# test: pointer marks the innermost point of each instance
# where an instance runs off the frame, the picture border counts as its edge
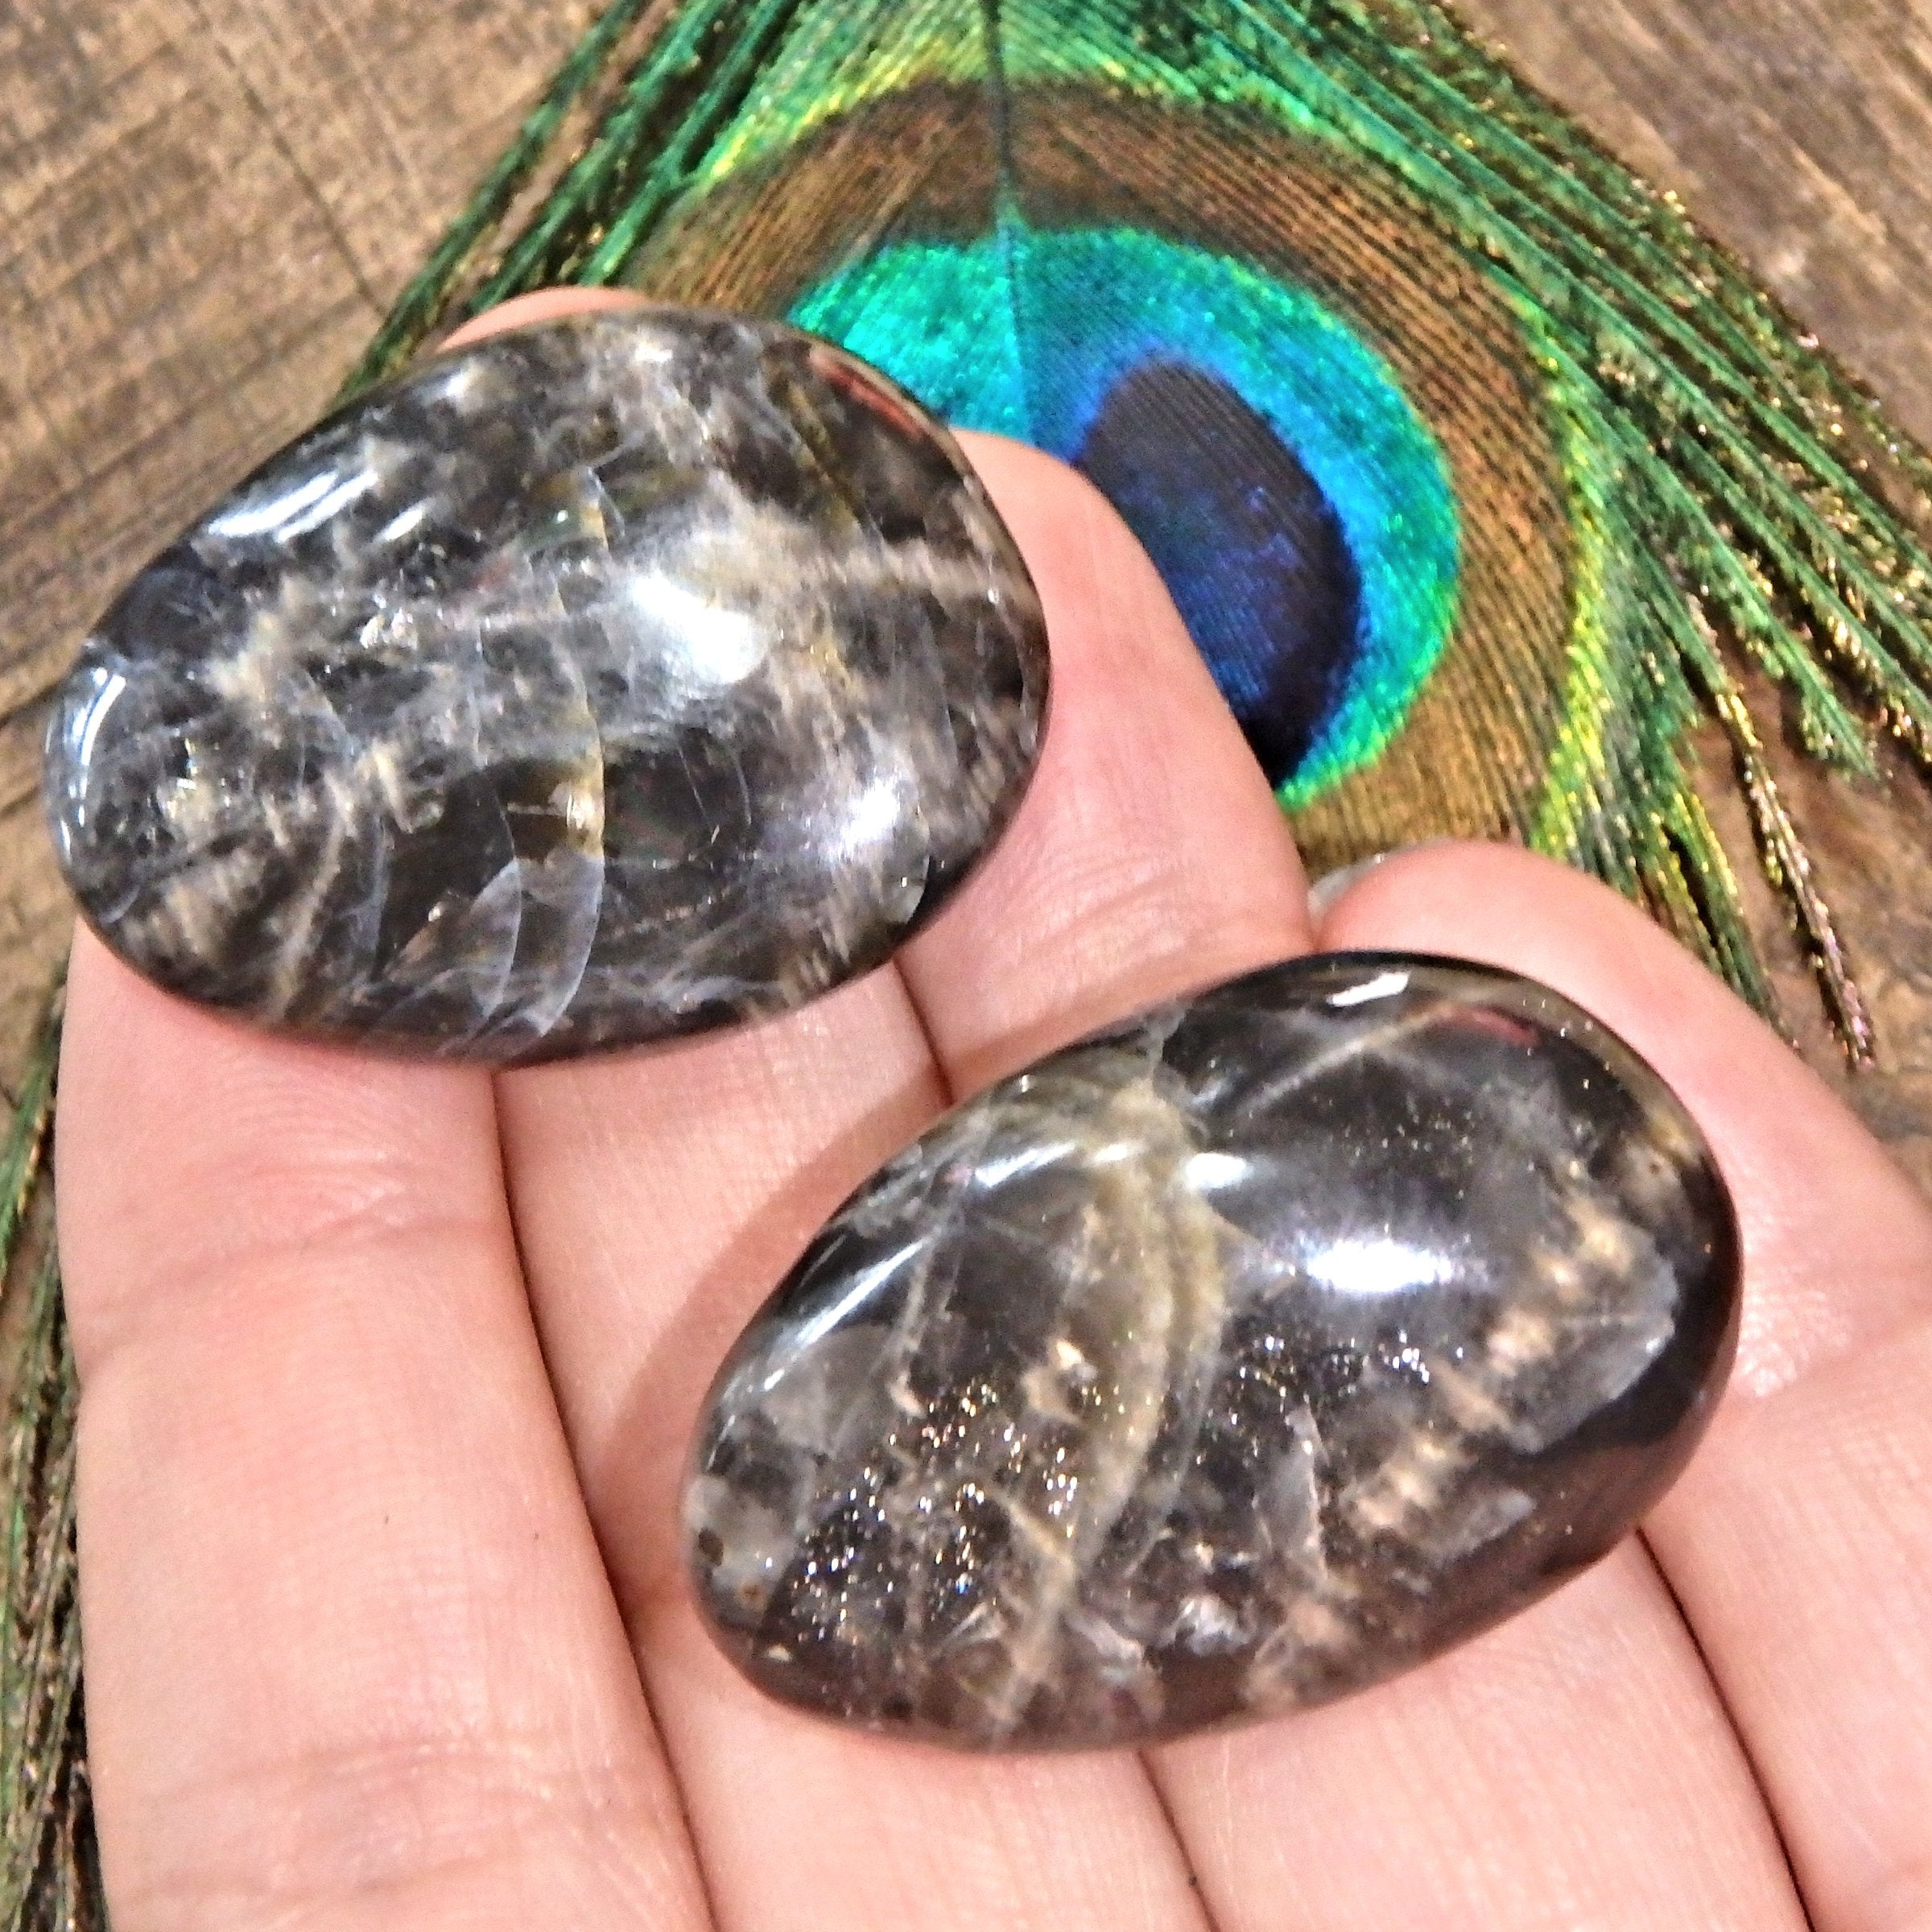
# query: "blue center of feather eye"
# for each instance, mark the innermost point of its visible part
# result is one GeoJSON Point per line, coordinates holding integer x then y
{"type": "Point", "coordinates": [1298, 507]}
{"type": "Point", "coordinates": [1251, 550]}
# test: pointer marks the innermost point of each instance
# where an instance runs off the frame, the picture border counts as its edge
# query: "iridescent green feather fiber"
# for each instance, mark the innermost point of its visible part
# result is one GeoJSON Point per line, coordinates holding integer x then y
{"type": "Point", "coordinates": [1712, 504]}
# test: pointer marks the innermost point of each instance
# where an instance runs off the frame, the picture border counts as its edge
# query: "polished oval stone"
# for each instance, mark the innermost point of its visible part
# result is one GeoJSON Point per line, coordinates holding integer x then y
{"type": "Point", "coordinates": [612, 679]}
{"type": "Point", "coordinates": [1233, 1360]}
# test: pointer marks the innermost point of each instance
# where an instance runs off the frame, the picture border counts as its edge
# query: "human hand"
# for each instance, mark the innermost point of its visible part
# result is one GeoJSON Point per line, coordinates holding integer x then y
{"type": "Point", "coordinates": [388, 1372]}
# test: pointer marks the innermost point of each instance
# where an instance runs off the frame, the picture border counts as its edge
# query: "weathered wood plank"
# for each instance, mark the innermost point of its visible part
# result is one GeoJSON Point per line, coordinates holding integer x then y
{"type": "Point", "coordinates": [1799, 132]}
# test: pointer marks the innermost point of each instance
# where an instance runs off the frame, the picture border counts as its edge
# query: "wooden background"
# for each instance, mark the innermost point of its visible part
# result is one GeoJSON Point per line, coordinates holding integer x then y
{"type": "Point", "coordinates": [205, 206]}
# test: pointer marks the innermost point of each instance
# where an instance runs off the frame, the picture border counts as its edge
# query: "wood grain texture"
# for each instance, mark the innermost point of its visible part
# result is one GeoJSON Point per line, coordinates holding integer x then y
{"type": "Point", "coordinates": [1797, 131]}
{"type": "Point", "coordinates": [205, 205]}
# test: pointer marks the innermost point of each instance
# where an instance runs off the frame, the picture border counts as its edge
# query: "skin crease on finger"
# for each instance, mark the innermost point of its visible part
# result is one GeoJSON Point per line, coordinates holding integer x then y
{"type": "Point", "coordinates": [327, 1685]}
{"type": "Point", "coordinates": [371, 1579]}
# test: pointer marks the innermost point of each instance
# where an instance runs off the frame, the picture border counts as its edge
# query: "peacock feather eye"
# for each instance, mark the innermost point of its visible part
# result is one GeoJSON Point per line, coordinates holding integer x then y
{"type": "Point", "coordinates": [1263, 451]}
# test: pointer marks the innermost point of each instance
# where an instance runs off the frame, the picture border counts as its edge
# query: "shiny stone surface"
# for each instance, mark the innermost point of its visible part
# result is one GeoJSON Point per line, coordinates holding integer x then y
{"type": "Point", "coordinates": [1232, 1361]}
{"type": "Point", "coordinates": [611, 679]}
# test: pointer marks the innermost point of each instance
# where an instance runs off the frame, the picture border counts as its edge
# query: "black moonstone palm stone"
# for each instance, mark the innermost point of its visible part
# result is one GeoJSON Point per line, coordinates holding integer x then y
{"type": "Point", "coordinates": [1233, 1360]}
{"type": "Point", "coordinates": [611, 678]}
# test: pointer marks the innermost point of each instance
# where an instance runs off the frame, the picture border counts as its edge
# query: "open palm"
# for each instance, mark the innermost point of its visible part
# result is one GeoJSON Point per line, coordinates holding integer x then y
{"type": "Point", "coordinates": [389, 1372]}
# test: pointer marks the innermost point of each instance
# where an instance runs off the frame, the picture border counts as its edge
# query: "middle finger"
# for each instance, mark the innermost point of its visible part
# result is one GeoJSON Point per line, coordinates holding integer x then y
{"type": "Point", "coordinates": [657, 1199]}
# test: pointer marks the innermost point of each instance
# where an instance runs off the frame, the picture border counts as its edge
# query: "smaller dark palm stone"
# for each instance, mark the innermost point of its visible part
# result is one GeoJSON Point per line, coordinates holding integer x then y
{"type": "Point", "coordinates": [1233, 1360]}
{"type": "Point", "coordinates": [611, 678]}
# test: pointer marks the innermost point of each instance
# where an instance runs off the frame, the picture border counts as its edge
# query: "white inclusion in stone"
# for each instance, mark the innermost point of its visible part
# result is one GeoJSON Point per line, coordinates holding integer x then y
{"type": "Point", "coordinates": [1206, 1624]}
{"type": "Point", "coordinates": [1384, 986]}
{"type": "Point", "coordinates": [756, 1543]}
{"type": "Point", "coordinates": [1381, 1266]}
{"type": "Point", "coordinates": [1489, 1514]}
{"type": "Point", "coordinates": [406, 524]}
{"type": "Point", "coordinates": [1209, 1171]}
{"type": "Point", "coordinates": [875, 818]}
{"type": "Point", "coordinates": [709, 643]}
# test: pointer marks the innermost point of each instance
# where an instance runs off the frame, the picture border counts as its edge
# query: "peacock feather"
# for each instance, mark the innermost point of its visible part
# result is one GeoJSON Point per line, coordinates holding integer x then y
{"type": "Point", "coordinates": [1484, 479]}
{"type": "Point", "coordinates": [1481, 475]}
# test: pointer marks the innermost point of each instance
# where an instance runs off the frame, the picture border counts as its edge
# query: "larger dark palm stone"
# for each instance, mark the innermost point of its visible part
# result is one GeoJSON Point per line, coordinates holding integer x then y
{"type": "Point", "coordinates": [607, 679]}
{"type": "Point", "coordinates": [1229, 1361]}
